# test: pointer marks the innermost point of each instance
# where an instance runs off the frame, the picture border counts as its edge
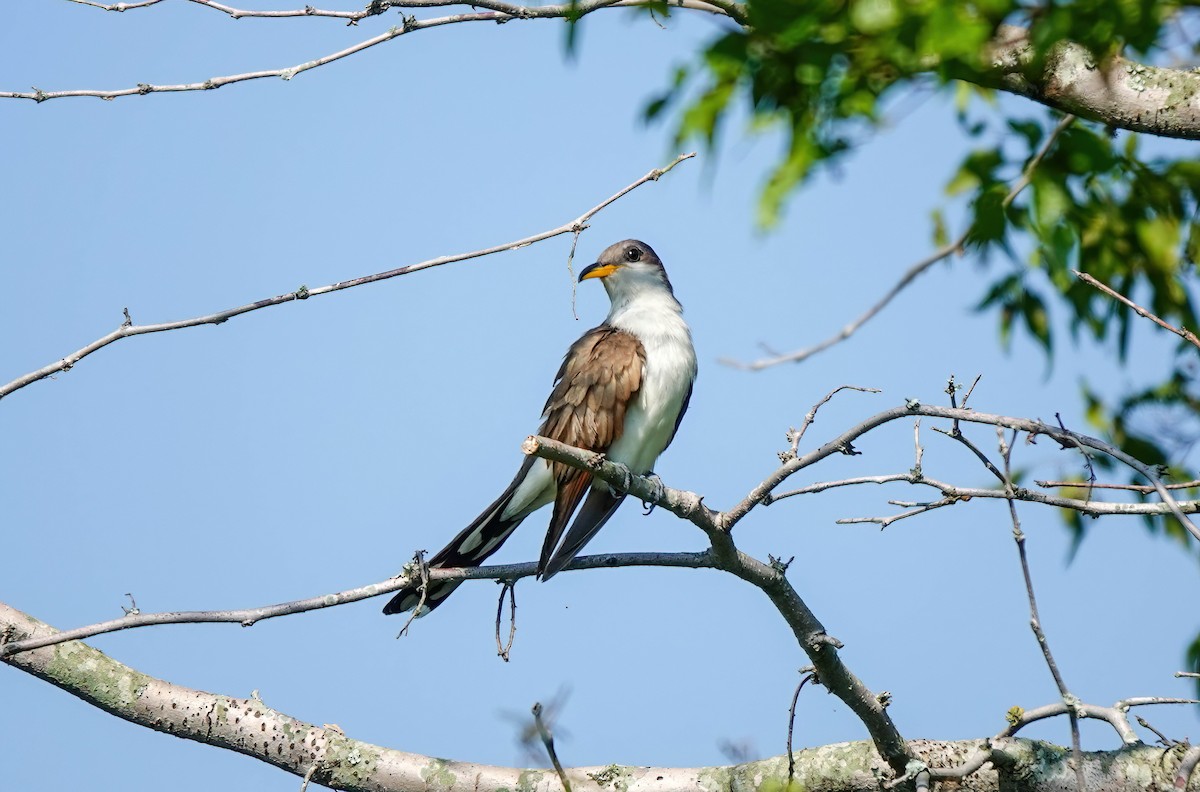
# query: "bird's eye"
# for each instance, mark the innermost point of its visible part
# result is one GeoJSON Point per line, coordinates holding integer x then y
{"type": "Point", "coordinates": [633, 254]}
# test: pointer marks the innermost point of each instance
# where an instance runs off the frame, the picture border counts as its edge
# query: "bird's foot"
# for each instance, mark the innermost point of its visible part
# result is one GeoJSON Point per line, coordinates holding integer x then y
{"type": "Point", "coordinates": [658, 492]}
{"type": "Point", "coordinates": [626, 483]}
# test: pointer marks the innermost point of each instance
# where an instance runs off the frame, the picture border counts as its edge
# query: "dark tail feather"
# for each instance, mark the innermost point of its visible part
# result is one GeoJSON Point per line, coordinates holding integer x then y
{"type": "Point", "coordinates": [473, 545]}
{"type": "Point", "coordinates": [597, 508]}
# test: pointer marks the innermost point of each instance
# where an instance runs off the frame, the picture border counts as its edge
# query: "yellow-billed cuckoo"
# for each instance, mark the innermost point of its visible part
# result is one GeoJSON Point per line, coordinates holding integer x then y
{"type": "Point", "coordinates": [621, 391]}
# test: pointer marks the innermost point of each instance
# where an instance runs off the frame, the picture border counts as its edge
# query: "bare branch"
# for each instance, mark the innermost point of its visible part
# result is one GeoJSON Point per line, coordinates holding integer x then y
{"type": "Point", "coordinates": [1186, 335]}
{"type": "Point", "coordinates": [912, 273]}
{"type": "Point", "coordinates": [1115, 715]}
{"type": "Point", "coordinates": [505, 12]}
{"type": "Point", "coordinates": [1142, 488]}
{"type": "Point", "coordinates": [548, 742]}
{"type": "Point", "coordinates": [1090, 508]}
{"type": "Point", "coordinates": [843, 444]}
{"type": "Point", "coordinates": [810, 634]}
{"type": "Point", "coordinates": [808, 676]}
{"type": "Point", "coordinates": [884, 522]}
{"type": "Point", "coordinates": [128, 329]}
{"type": "Point", "coordinates": [249, 616]}
{"type": "Point", "coordinates": [731, 9]}
{"type": "Point", "coordinates": [337, 761]}
{"type": "Point", "coordinates": [798, 435]}
{"type": "Point", "coordinates": [1035, 621]}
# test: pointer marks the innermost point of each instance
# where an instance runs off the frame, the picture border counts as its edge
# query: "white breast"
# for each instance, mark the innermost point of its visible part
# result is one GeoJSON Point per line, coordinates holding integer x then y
{"type": "Point", "coordinates": [655, 320]}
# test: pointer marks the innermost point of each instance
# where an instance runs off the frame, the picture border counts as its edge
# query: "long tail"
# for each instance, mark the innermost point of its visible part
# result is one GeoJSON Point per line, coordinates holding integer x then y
{"type": "Point", "coordinates": [597, 508]}
{"type": "Point", "coordinates": [473, 545]}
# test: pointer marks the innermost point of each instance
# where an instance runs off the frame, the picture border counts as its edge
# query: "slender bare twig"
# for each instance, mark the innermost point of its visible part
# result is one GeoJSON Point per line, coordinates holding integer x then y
{"type": "Point", "coordinates": [506, 12]}
{"type": "Point", "coordinates": [422, 573]}
{"type": "Point", "coordinates": [1035, 621]}
{"type": "Point", "coordinates": [548, 741]}
{"type": "Point", "coordinates": [1162, 738]}
{"type": "Point", "coordinates": [508, 587]}
{"type": "Point", "coordinates": [1090, 508]}
{"type": "Point", "coordinates": [920, 452]}
{"type": "Point", "coordinates": [250, 616]}
{"type": "Point", "coordinates": [884, 522]}
{"type": "Point", "coordinates": [731, 9]}
{"type": "Point", "coordinates": [913, 272]}
{"type": "Point", "coordinates": [117, 6]}
{"type": "Point", "coordinates": [971, 390]}
{"type": "Point", "coordinates": [809, 676]}
{"type": "Point", "coordinates": [128, 329]}
{"type": "Point", "coordinates": [1184, 333]}
{"type": "Point", "coordinates": [1142, 488]}
{"type": "Point", "coordinates": [797, 435]}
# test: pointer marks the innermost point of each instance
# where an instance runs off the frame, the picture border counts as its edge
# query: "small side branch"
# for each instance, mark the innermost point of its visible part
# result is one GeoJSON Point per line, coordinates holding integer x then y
{"type": "Point", "coordinates": [1035, 621]}
{"type": "Point", "coordinates": [127, 329]}
{"type": "Point", "coordinates": [1184, 333]}
{"type": "Point", "coordinates": [913, 272]}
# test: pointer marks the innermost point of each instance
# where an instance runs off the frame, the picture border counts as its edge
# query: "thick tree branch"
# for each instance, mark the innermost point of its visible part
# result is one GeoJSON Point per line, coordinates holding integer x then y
{"type": "Point", "coordinates": [128, 328]}
{"type": "Point", "coordinates": [1116, 92]}
{"type": "Point", "coordinates": [329, 757]}
{"type": "Point", "coordinates": [817, 644]}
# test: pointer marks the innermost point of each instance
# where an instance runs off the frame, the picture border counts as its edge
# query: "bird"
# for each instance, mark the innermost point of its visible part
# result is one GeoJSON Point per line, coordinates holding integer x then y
{"type": "Point", "coordinates": [621, 391]}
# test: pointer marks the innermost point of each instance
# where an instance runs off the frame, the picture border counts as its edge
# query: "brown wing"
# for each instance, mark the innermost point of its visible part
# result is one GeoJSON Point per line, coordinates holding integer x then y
{"type": "Point", "coordinates": [598, 379]}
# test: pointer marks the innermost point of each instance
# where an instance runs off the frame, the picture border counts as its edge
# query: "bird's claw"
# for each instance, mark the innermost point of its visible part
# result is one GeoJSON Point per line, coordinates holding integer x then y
{"type": "Point", "coordinates": [657, 492]}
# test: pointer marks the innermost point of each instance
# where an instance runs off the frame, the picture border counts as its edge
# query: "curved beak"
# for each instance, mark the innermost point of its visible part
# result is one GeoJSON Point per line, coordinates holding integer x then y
{"type": "Point", "coordinates": [597, 270]}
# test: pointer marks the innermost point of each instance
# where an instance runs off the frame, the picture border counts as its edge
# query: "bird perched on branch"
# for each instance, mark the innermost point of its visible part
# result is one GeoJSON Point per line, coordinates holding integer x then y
{"type": "Point", "coordinates": [621, 391]}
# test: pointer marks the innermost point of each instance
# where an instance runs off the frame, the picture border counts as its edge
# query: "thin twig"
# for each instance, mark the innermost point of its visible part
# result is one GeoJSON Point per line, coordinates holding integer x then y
{"type": "Point", "coordinates": [505, 12]}
{"type": "Point", "coordinates": [509, 587]}
{"type": "Point", "coordinates": [1090, 508]}
{"type": "Point", "coordinates": [1162, 738]}
{"type": "Point", "coordinates": [954, 434]}
{"type": "Point", "coordinates": [304, 293]}
{"type": "Point", "coordinates": [809, 676]}
{"type": "Point", "coordinates": [884, 522]}
{"type": "Point", "coordinates": [1035, 622]}
{"type": "Point", "coordinates": [920, 452]}
{"type": "Point", "coordinates": [1142, 488]}
{"type": "Point", "coordinates": [730, 9]}
{"type": "Point", "coordinates": [548, 741]}
{"type": "Point", "coordinates": [422, 588]}
{"type": "Point", "coordinates": [1185, 334]}
{"type": "Point", "coordinates": [913, 272]}
{"type": "Point", "coordinates": [971, 390]}
{"type": "Point", "coordinates": [811, 416]}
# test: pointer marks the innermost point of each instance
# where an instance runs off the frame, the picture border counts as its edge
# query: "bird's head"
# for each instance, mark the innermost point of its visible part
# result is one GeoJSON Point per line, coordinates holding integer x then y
{"type": "Point", "coordinates": [627, 268]}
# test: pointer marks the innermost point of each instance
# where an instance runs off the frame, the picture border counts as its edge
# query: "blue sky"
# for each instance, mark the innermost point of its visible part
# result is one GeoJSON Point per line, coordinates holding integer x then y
{"type": "Point", "coordinates": [312, 447]}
